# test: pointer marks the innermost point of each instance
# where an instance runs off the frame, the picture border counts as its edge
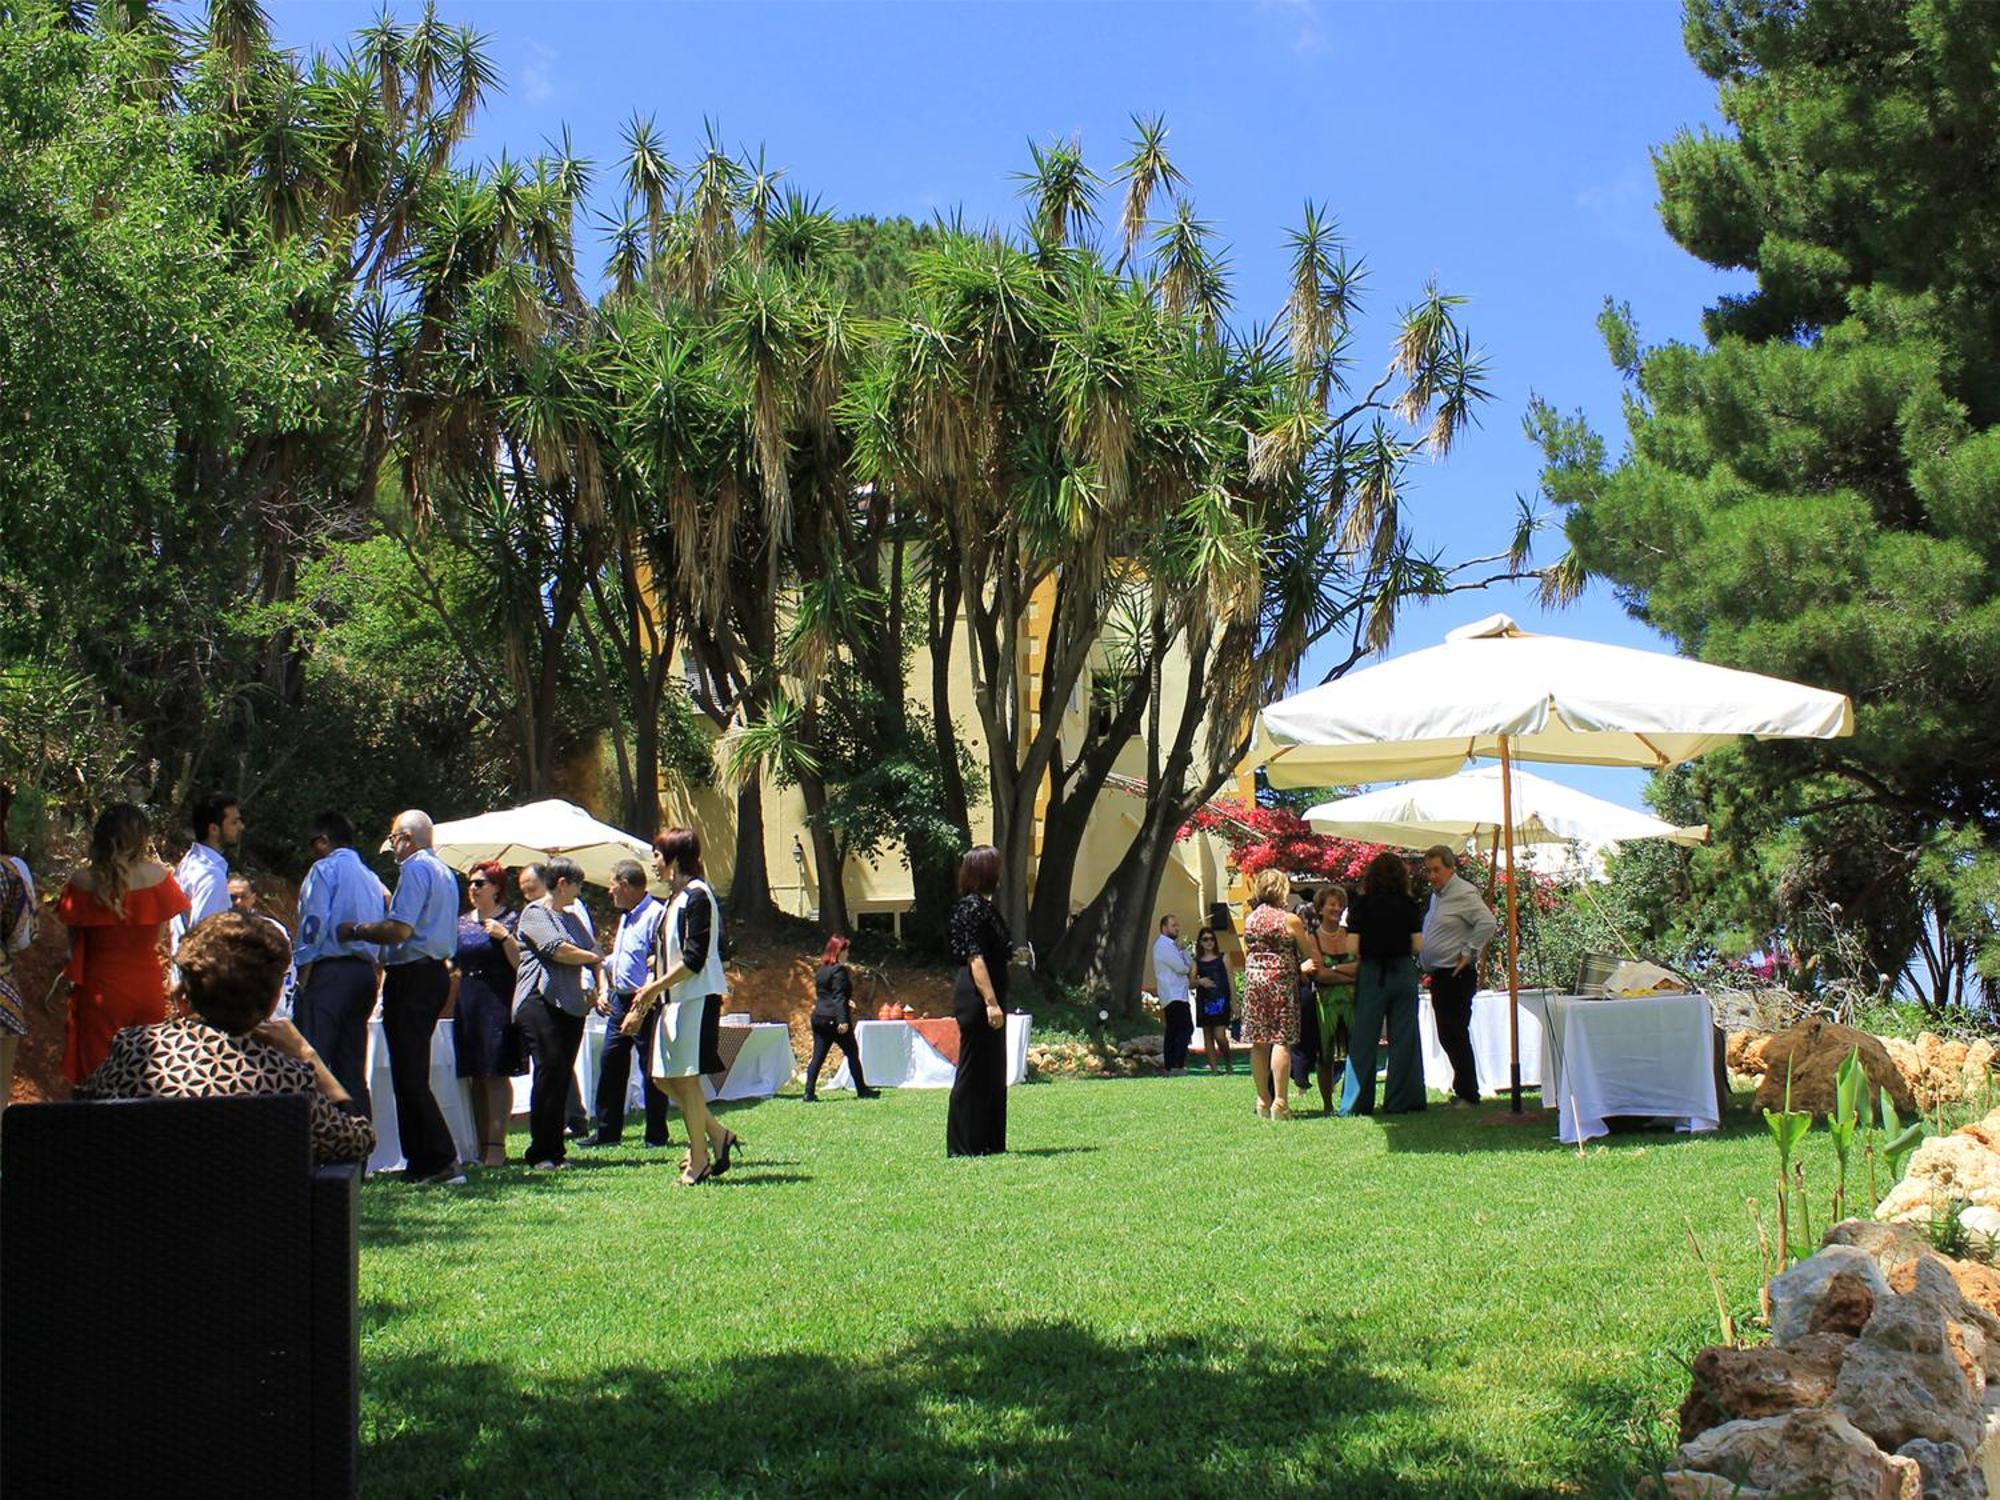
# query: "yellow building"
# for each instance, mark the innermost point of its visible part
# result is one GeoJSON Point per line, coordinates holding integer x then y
{"type": "Point", "coordinates": [1197, 876]}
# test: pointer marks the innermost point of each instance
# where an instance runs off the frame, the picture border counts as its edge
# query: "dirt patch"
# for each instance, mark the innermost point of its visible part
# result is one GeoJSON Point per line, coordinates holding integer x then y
{"type": "Point", "coordinates": [771, 979]}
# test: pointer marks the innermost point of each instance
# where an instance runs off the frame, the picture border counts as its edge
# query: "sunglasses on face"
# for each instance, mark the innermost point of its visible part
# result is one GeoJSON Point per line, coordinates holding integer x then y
{"type": "Point", "coordinates": [478, 881]}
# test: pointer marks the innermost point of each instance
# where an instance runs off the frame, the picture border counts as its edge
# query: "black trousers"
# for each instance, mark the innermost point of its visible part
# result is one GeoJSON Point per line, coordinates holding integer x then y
{"type": "Point", "coordinates": [827, 1035]}
{"type": "Point", "coordinates": [551, 1037]}
{"type": "Point", "coordinates": [615, 1073]}
{"type": "Point", "coordinates": [413, 996]}
{"type": "Point", "coordinates": [1179, 1017]}
{"type": "Point", "coordinates": [1451, 1003]}
{"type": "Point", "coordinates": [331, 1011]}
{"type": "Point", "coordinates": [976, 1124]}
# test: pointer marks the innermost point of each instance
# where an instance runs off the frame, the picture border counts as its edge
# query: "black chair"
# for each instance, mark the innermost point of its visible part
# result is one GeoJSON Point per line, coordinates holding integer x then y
{"type": "Point", "coordinates": [178, 1310]}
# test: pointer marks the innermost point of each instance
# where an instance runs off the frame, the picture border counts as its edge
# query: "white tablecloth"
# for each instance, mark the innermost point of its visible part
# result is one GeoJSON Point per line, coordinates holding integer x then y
{"type": "Point", "coordinates": [763, 1066]}
{"type": "Point", "coordinates": [1652, 1057]}
{"type": "Point", "coordinates": [1489, 1043]}
{"type": "Point", "coordinates": [895, 1056]}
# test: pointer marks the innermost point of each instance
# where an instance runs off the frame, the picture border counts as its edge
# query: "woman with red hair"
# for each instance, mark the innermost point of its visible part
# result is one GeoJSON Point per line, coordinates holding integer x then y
{"type": "Point", "coordinates": [833, 1019]}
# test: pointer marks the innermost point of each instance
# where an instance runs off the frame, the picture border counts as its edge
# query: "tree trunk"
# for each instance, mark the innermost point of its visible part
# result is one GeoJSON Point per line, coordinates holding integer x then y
{"type": "Point", "coordinates": [750, 887]}
{"type": "Point", "coordinates": [827, 860]}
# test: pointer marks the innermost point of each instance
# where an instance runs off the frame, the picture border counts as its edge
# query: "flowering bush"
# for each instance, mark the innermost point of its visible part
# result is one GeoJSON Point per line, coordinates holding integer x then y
{"type": "Point", "coordinates": [1262, 838]}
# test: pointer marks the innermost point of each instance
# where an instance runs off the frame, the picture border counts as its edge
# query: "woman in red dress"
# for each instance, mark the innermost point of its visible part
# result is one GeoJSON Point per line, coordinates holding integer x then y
{"type": "Point", "coordinates": [115, 908]}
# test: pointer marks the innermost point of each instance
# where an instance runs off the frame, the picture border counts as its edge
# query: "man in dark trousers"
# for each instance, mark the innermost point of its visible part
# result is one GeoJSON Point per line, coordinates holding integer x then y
{"type": "Point", "coordinates": [628, 967]}
{"type": "Point", "coordinates": [1457, 928]}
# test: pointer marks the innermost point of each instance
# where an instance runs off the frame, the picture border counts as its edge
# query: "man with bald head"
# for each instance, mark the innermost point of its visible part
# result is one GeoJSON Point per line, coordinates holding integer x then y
{"type": "Point", "coordinates": [418, 936]}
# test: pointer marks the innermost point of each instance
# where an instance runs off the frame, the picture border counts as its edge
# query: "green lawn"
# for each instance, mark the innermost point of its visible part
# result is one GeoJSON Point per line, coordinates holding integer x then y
{"type": "Point", "coordinates": [1156, 1293]}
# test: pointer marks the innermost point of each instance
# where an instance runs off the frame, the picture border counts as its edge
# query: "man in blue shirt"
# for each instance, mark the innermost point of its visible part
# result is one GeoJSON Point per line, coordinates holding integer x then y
{"type": "Point", "coordinates": [337, 978]}
{"type": "Point", "coordinates": [203, 872]}
{"type": "Point", "coordinates": [419, 935]}
{"type": "Point", "coordinates": [628, 967]}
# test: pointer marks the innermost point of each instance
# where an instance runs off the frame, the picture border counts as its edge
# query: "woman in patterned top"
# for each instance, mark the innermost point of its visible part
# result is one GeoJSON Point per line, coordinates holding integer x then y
{"type": "Point", "coordinates": [232, 968]}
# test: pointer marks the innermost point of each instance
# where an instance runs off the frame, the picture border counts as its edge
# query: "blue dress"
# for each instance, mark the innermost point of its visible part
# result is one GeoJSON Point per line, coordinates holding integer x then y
{"type": "Point", "coordinates": [482, 1020]}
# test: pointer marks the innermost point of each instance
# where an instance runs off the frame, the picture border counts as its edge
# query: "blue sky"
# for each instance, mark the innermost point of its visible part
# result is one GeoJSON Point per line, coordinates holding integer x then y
{"type": "Point", "coordinates": [1502, 148]}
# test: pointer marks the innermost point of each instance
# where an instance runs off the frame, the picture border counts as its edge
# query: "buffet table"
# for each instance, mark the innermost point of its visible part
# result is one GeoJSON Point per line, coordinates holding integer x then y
{"type": "Point", "coordinates": [922, 1054]}
{"type": "Point", "coordinates": [757, 1061]}
{"type": "Point", "coordinates": [1649, 1057]}
{"type": "Point", "coordinates": [1489, 1044]}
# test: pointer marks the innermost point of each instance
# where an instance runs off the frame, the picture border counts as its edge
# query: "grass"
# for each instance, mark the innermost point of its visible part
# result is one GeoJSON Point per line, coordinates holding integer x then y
{"type": "Point", "coordinates": [1155, 1293]}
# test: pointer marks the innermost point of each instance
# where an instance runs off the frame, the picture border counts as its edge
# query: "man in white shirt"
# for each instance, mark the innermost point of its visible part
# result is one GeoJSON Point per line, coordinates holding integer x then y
{"type": "Point", "coordinates": [203, 873]}
{"type": "Point", "coordinates": [1171, 967]}
{"type": "Point", "coordinates": [1457, 928]}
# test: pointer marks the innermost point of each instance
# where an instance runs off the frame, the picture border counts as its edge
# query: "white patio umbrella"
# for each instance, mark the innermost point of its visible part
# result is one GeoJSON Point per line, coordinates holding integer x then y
{"type": "Point", "coordinates": [1468, 809]}
{"type": "Point", "coordinates": [1494, 691]}
{"type": "Point", "coordinates": [536, 831]}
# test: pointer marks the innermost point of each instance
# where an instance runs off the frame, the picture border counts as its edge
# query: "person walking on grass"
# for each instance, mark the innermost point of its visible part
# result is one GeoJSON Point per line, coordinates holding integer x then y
{"type": "Point", "coordinates": [1457, 928]}
{"type": "Point", "coordinates": [1171, 969]}
{"type": "Point", "coordinates": [833, 1020]}
{"type": "Point", "coordinates": [1275, 955]}
{"type": "Point", "coordinates": [1385, 928]}
{"type": "Point", "coordinates": [688, 985]}
{"type": "Point", "coordinates": [1213, 999]}
{"type": "Point", "coordinates": [625, 974]}
{"type": "Point", "coordinates": [419, 937]}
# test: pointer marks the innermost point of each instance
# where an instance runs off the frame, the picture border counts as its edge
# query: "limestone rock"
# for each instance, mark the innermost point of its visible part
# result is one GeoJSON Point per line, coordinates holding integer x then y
{"type": "Point", "coordinates": [1943, 1071]}
{"type": "Point", "coordinates": [1982, 1223]}
{"type": "Point", "coordinates": [1763, 1381]}
{"type": "Point", "coordinates": [1686, 1484]}
{"type": "Point", "coordinates": [1811, 1053]}
{"type": "Point", "coordinates": [1803, 1452]}
{"type": "Point", "coordinates": [1798, 1293]}
{"type": "Point", "coordinates": [1906, 1376]}
{"type": "Point", "coordinates": [1895, 1248]}
{"type": "Point", "coordinates": [1948, 1473]}
{"type": "Point", "coordinates": [1947, 1167]}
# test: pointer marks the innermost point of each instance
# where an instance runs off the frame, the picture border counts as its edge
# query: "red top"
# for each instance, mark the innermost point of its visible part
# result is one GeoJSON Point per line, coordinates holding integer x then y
{"type": "Point", "coordinates": [117, 978]}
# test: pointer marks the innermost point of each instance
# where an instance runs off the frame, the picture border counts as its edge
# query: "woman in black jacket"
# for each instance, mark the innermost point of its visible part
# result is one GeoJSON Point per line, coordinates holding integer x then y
{"type": "Point", "coordinates": [833, 1020]}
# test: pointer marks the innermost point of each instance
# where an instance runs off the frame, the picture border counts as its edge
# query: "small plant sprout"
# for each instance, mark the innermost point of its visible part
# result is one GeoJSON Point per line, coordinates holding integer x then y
{"type": "Point", "coordinates": [1850, 1102]}
{"type": "Point", "coordinates": [1901, 1139]}
{"type": "Point", "coordinates": [1788, 1128]}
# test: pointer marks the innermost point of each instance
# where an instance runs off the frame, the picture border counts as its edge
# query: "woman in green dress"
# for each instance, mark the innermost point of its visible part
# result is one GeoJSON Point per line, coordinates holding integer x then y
{"type": "Point", "coordinates": [1333, 990]}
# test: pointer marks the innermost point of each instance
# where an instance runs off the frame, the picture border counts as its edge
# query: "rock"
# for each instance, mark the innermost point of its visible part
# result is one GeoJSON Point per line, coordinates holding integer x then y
{"type": "Point", "coordinates": [1982, 1223]}
{"type": "Point", "coordinates": [1685, 1484]}
{"type": "Point", "coordinates": [1977, 1284]}
{"type": "Point", "coordinates": [1907, 1376]}
{"type": "Point", "coordinates": [1763, 1381]}
{"type": "Point", "coordinates": [1895, 1248]}
{"type": "Point", "coordinates": [1845, 1306]}
{"type": "Point", "coordinates": [1947, 1167]}
{"type": "Point", "coordinates": [1941, 1071]}
{"type": "Point", "coordinates": [1744, 1052]}
{"type": "Point", "coordinates": [1811, 1053]}
{"type": "Point", "coordinates": [1803, 1452]}
{"type": "Point", "coordinates": [1797, 1294]}
{"type": "Point", "coordinates": [1948, 1473]}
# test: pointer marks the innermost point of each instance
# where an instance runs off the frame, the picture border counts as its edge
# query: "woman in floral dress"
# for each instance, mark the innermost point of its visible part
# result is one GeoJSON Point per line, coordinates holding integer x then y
{"type": "Point", "coordinates": [1274, 940]}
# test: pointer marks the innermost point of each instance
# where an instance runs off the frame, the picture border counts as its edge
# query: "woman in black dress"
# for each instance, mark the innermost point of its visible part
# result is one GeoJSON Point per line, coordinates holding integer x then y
{"type": "Point", "coordinates": [977, 1123]}
{"type": "Point", "coordinates": [483, 1034]}
{"type": "Point", "coordinates": [833, 1020]}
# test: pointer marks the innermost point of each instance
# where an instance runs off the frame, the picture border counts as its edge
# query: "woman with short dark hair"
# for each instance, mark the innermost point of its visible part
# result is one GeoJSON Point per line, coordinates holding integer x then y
{"type": "Point", "coordinates": [1385, 931]}
{"type": "Point", "coordinates": [1214, 999]}
{"type": "Point", "coordinates": [232, 970]}
{"type": "Point", "coordinates": [833, 1019]}
{"type": "Point", "coordinates": [691, 984]}
{"type": "Point", "coordinates": [549, 1001]}
{"type": "Point", "coordinates": [976, 1124]}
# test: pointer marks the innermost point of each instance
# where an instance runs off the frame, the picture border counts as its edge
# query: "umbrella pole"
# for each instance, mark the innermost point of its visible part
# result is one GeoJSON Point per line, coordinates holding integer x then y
{"type": "Point", "coordinates": [1513, 923]}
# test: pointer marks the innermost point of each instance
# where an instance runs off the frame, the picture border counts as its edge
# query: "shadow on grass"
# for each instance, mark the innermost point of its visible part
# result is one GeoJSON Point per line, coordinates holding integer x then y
{"type": "Point", "coordinates": [1046, 1408]}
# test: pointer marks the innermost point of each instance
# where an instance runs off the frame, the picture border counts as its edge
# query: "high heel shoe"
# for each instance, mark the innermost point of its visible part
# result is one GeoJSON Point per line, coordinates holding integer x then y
{"type": "Point", "coordinates": [730, 1142]}
{"type": "Point", "coordinates": [684, 1180]}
